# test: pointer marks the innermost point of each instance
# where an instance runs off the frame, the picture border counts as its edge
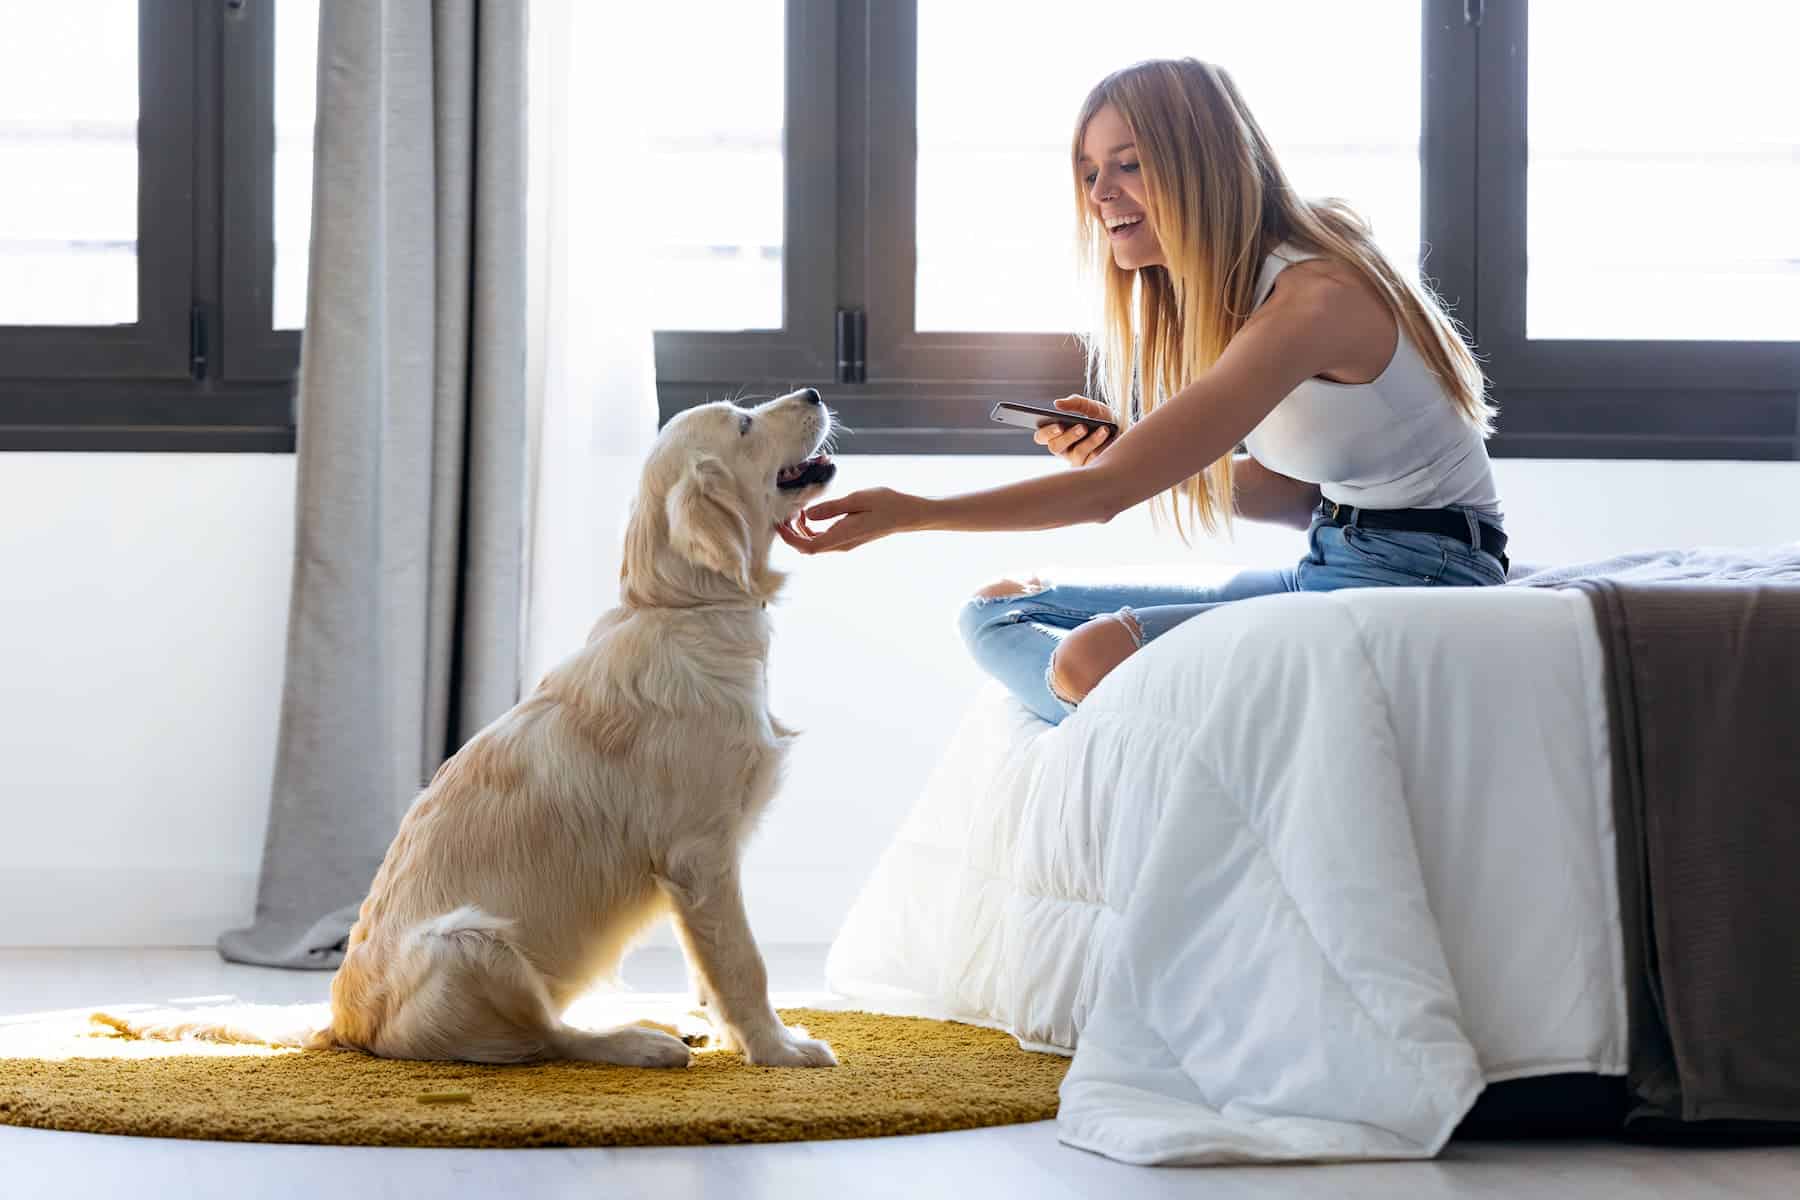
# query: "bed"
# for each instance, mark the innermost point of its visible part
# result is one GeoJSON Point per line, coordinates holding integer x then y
{"type": "Point", "coordinates": [1295, 883]}
{"type": "Point", "coordinates": [1308, 875]}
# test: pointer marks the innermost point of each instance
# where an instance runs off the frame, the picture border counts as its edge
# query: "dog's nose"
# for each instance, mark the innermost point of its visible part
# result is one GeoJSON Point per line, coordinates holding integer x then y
{"type": "Point", "coordinates": [811, 396]}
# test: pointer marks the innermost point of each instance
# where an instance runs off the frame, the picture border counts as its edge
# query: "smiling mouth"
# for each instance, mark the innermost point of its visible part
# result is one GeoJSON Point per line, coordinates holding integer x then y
{"type": "Point", "coordinates": [818, 469]}
{"type": "Point", "coordinates": [1123, 227]}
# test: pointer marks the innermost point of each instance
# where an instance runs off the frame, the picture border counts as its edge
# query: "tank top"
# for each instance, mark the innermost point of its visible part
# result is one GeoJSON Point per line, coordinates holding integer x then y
{"type": "Point", "coordinates": [1398, 441]}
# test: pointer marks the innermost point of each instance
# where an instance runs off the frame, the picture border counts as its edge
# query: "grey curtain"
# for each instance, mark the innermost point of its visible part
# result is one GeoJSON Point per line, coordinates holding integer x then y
{"type": "Point", "coordinates": [403, 633]}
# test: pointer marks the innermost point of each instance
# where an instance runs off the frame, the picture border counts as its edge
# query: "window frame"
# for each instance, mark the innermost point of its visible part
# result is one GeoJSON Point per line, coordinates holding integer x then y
{"type": "Point", "coordinates": [926, 392]}
{"type": "Point", "coordinates": [251, 347]}
{"type": "Point", "coordinates": [696, 366]}
{"type": "Point", "coordinates": [155, 345]}
{"type": "Point", "coordinates": [1600, 398]}
{"type": "Point", "coordinates": [204, 369]}
{"type": "Point", "coordinates": [160, 383]}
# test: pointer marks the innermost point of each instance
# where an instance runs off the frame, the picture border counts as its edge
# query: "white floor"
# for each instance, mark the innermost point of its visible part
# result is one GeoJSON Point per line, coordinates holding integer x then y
{"type": "Point", "coordinates": [1020, 1160]}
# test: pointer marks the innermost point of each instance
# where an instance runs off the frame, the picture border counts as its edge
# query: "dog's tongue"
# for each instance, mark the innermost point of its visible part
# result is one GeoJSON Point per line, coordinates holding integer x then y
{"type": "Point", "coordinates": [818, 469]}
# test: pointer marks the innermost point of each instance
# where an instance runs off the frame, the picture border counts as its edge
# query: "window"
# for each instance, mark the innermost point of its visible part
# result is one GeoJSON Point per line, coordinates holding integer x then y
{"type": "Point", "coordinates": [993, 133]}
{"type": "Point", "coordinates": [135, 267]}
{"type": "Point", "coordinates": [869, 196]}
{"type": "Point", "coordinates": [1625, 253]}
{"type": "Point", "coordinates": [715, 228]}
{"type": "Point", "coordinates": [1637, 237]}
{"type": "Point", "coordinates": [69, 95]}
{"type": "Point", "coordinates": [296, 94]}
{"type": "Point", "coordinates": [1677, 204]}
{"type": "Point", "coordinates": [746, 251]}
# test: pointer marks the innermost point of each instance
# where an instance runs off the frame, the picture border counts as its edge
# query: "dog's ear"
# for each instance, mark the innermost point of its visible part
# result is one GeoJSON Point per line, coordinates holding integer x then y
{"type": "Point", "coordinates": [706, 523]}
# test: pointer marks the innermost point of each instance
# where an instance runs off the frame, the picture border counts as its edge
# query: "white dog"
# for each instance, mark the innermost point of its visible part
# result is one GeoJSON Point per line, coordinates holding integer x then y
{"type": "Point", "coordinates": [622, 788]}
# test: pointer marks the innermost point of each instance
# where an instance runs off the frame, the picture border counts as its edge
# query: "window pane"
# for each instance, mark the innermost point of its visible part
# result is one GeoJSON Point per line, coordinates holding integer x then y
{"type": "Point", "coordinates": [296, 73]}
{"type": "Point", "coordinates": [68, 154]}
{"type": "Point", "coordinates": [714, 227]}
{"type": "Point", "coordinates": [996, 221]}
{"type": "Point", "coordinates": [1664, 191]}
{"type": "Point", "coordinates": [713, 185]}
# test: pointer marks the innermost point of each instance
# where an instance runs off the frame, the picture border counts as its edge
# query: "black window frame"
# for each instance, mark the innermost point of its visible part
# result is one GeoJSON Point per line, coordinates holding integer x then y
{"type": "Point", "coordinates": [200, 370]}
{"type": "Point", "coordinates": [929, 393]}
{"type": "Point", "coordinates": [203, 368]}
{"type": "Point", "coordinates": [251, 349]}
{"type": "Point", "coordinates": [695, 366]}
{"type": "Point", "coordinates": [1600, 398]}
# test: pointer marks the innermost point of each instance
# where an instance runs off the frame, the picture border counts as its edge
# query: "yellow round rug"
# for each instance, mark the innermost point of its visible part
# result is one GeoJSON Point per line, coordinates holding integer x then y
{"type": "Point", "coordinates": [895, 1075]}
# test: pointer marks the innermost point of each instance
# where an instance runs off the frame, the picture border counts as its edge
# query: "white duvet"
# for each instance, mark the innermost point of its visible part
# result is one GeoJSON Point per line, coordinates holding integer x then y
{"type": "Point", "coordinates": [1293, 884]}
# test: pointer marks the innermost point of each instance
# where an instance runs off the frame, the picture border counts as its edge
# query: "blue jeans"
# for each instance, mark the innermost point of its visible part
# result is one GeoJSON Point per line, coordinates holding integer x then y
{"type": "Point", "coordinates": [1013, 637]}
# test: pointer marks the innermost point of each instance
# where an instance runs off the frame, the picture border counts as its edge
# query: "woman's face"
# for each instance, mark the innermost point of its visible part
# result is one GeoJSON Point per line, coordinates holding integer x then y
{"type": "Point", "coordinates": [1115, 190]}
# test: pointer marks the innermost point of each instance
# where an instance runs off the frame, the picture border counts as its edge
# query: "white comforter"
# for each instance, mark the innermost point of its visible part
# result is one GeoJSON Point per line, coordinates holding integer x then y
{"type": "Point", "coordinates": [1294, 883]}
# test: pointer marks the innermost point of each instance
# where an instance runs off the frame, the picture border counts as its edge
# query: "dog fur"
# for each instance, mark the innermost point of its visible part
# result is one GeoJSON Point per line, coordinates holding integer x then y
{"type": "Point", "coordinates": [622, 788]}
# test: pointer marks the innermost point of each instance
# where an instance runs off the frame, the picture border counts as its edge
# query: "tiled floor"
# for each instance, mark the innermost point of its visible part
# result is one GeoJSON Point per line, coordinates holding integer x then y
{"type": "Point", "coordinates": [1021, 1160]}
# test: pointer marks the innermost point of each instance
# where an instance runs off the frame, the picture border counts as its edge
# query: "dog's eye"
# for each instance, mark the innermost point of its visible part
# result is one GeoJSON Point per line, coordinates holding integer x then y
{"type": "Point", "coordinates": [743, 426]}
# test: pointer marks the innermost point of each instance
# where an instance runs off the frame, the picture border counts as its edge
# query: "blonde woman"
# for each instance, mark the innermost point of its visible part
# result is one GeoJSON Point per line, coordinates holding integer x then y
{"type": "Point", "coordinates": [1235, 312]}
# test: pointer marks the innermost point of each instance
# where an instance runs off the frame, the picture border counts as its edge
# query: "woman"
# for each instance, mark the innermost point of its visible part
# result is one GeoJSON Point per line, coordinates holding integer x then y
{"type": "Point", "coordinates": [1235, 312]}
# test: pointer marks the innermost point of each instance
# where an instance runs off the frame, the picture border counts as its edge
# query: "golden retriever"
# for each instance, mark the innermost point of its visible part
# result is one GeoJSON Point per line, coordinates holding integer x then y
{"type": "Point", "coordinates": [623, 787]}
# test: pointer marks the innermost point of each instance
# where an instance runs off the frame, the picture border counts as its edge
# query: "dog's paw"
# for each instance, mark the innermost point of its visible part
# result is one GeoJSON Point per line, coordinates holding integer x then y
{"type": "Point", "coordinates": [793, 1049]}
{"type": "Point", "coordinates": [636, 1046]}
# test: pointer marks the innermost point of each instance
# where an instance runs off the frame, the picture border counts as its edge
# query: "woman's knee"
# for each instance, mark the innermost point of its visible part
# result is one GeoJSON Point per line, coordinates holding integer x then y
{"type": "Point", "coordinates": [988, 604]}
{"type": "Point", "coordinates": [1090, 653]}
{"type": "Point", "coordinates": [1009, 589]}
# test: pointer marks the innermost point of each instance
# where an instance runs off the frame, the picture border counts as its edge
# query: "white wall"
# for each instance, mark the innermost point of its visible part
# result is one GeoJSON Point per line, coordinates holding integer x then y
{"type": "Point", "coordinates": [143, 611]}
{"type": "Point", "coordinates": [143, 608]}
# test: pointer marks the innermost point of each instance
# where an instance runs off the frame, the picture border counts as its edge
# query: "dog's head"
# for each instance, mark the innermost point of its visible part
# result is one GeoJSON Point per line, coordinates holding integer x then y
{"type": "Point", "coordinates": [717, 482]}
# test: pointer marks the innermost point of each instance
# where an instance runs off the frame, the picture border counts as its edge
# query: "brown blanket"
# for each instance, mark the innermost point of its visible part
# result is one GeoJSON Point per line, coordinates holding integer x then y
{"type": "Point", "coordinates": [1703, 690]}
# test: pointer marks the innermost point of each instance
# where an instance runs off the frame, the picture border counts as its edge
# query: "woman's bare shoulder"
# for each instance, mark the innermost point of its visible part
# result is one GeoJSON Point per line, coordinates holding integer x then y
{"type": "Point", "coordinates": [1334, 298]}
{"type": "Point", "coordinates": [1328, 280]}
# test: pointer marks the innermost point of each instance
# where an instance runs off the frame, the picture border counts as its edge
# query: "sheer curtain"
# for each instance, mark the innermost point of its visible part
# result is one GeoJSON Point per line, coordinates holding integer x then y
{"type": "Point", "coordinates": [590, 360]}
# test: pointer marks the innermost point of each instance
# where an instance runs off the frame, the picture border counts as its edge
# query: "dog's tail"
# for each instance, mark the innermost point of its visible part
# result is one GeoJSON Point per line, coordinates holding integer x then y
{"type": "Point", "coordinates": [300, 1026]}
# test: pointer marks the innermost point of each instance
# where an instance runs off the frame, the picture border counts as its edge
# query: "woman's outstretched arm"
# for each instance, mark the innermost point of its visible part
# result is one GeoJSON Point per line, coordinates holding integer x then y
{"type": "Point", "coordinates": [1300, 332]}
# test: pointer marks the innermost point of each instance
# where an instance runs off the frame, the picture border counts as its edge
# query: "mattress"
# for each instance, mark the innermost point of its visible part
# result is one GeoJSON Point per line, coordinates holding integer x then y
{"type": "Point", "coordinates": [1295, 883]}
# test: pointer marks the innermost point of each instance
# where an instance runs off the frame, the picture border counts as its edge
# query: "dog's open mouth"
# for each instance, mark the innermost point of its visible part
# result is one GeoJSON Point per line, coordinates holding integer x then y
{"type": "Point", "coordinates": [816, 470]}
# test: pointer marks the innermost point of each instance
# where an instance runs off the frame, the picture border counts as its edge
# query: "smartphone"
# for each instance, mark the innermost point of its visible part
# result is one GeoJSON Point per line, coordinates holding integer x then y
{"type": "Point", "coordinates": [1032, 416]}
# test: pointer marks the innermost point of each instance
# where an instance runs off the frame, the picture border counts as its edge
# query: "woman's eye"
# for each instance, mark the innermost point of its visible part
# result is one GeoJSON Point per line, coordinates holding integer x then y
{"type": "Point", "coordinates": [1089, 178]}
{"type": "Point", "coordinates": [1128, 168]}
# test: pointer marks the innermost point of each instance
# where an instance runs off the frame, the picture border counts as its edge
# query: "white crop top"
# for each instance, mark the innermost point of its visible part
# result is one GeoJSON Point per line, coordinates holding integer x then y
{"type": "Point", "coordinates": [1398, 441]}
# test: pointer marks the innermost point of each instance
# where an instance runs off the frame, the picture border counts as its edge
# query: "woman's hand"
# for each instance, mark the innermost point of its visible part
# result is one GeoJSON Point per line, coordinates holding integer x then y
{"type": "Point", "coordinates": [1075, 444]}
{"type": "Point", "coordinates": [866, 515]}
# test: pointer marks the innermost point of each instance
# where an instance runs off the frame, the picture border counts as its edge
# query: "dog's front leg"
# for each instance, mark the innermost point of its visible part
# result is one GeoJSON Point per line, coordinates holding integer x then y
{"type": "Point", "coordinates": [709, 916]}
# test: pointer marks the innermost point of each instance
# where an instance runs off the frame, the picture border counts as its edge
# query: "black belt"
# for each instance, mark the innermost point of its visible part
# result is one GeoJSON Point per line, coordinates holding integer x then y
{"type": "Point", "coordinates": [1445, 522]}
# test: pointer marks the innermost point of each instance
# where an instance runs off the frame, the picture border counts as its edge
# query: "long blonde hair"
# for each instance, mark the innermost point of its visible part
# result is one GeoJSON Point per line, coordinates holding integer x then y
{"type": "Point", "coordinates": [1219, 203]}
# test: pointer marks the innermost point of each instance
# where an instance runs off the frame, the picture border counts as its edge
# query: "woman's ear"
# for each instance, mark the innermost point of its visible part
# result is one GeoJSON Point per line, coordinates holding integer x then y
{"type": "Point", "coordinates": [707, 525]}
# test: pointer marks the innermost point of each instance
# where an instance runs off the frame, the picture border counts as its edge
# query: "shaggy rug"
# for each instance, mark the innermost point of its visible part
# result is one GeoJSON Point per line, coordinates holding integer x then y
{"type": "Point", "coordinates": [896, 1075]}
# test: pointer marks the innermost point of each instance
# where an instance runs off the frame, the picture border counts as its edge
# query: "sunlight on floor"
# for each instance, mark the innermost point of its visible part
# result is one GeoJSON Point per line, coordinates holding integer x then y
{"type": "Point", "coordinates": [54, 1035]}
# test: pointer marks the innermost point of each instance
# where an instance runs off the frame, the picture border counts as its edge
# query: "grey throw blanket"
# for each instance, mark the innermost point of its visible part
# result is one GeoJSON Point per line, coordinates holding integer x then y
{"type": "Point", "coordinates": [1703, 691]}
{"type": "Point", "coordinates": [1771, 564]}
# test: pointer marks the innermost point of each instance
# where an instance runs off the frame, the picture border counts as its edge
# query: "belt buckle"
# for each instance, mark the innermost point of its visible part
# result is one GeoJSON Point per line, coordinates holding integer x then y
{"type": "Point", "coordinates": [1335, 508]}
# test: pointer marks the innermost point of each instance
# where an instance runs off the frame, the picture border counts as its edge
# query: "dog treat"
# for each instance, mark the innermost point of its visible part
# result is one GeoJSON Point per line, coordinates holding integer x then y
{"type": "Point", "coordinates": [445, 1097]}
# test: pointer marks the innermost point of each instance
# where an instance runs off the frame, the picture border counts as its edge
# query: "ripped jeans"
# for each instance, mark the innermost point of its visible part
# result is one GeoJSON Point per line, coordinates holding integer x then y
{"type": "Point", "coordinates": [1015, 637]}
